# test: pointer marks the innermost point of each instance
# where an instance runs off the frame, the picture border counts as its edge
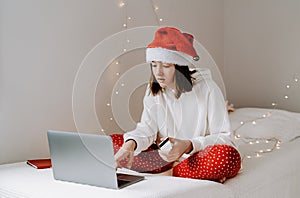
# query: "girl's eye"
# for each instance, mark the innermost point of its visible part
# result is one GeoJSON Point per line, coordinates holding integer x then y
{"type": "Point", "coordinates": [166, 66]}
{"type": "Point", "coordinates": [153, 65]}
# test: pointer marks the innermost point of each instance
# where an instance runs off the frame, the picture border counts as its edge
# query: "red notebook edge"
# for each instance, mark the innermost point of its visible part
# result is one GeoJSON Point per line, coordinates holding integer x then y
{"type": "Point", "coordinates": [40, 163]}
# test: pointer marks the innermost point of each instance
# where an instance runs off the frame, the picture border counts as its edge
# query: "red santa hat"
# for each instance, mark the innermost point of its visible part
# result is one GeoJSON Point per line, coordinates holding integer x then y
{"type": "Point", "coordinates": [171, 46]}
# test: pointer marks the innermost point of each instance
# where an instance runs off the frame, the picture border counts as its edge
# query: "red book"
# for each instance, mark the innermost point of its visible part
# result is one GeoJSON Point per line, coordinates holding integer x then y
{"type": "Point", "coordinates": [40, 163]}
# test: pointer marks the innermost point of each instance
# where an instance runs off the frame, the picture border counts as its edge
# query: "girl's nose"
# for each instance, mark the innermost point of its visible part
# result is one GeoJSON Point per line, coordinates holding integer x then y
{"type": "Point", "coordinates": [159, 70]}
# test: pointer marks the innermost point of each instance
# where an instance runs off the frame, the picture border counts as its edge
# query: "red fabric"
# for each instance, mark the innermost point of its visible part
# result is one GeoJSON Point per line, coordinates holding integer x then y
{"type": "Point", "coordinates": [172, 39]}
{"type": "Point", "coordinates": [147, 161]}
{"type": "Point", "coordinates": [213, 163]}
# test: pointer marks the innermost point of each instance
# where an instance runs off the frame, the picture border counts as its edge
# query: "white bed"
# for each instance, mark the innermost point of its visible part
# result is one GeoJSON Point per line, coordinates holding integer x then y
{"type": "Point", "coordinates": [272, 174]}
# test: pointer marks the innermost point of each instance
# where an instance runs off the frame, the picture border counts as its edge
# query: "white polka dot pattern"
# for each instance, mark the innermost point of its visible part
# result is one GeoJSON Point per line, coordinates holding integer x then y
{"type": "Point", "coordinates": [147, 161]}
{"type": "Point", "coordinates": [213, 163]}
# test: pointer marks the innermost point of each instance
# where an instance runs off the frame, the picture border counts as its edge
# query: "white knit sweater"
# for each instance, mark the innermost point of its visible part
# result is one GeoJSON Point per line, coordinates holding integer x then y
{"type": "Point", "coordinates": [199, 115]}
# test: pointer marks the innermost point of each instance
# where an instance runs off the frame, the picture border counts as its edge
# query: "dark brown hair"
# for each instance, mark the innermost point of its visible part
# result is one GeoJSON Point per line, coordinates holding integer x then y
{"type": "Point", "coordinates": [183, 81]}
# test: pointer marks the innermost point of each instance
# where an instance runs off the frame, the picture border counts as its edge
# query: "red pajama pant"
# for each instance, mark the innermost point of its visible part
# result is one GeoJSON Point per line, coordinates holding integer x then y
{"type": "Point", "coordinates": [213, 163]}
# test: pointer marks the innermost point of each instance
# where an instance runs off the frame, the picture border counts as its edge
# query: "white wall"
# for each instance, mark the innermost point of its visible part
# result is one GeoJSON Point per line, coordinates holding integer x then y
{"type": "Point", "coordinates": [261, 52]}
{"type": "Point", "coordinates": [42, 44]}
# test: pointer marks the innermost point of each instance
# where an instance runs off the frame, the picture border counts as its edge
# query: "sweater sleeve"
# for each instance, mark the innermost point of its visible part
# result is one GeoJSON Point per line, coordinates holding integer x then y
{"type": "Point", "coordinates": [218, 129]}
{"type": "Point", "coordinates": [146, 130]}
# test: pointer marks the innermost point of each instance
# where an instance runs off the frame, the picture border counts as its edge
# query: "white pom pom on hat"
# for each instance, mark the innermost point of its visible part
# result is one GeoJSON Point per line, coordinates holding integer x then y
{"type": "Point", "coordinates": [171, 46]}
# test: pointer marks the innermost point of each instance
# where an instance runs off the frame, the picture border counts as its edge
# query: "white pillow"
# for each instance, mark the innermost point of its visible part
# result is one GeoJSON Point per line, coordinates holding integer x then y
{"type": "Point", "coordinates": [268, 123]}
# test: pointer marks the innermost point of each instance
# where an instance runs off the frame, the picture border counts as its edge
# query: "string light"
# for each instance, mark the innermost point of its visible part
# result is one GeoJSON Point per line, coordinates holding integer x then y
{"type": "Point", "coordinates": [273, 142]}
{"type": "Point", "coordinates": [258, 155]}
{"type": "Point", "coordinates": [260, 152]}
{"type": "Point", "coordinates": [237, 136]}
{"type": "Point", "coordinates": [122, 4]}
{"type": "Point", "coordinates": [155, 11]}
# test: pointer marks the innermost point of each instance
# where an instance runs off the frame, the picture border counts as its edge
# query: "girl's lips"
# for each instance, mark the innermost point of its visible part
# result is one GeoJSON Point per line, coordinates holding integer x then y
{"type": "Point", "coordinates": [160, 79]}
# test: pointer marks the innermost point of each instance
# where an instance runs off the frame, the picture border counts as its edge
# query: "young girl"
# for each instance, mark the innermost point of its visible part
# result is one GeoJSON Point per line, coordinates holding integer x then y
{"type": "Point", "coordinates": [187, 107]}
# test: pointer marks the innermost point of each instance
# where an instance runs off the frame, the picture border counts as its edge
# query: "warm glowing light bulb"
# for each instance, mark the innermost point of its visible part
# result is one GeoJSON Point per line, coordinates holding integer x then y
{"type": "Point", "coordinates": [254, 122]}
{"type": "Point", "coordinates": [117, 73]}
{"type": "Point", "coordinates": [258, 155]}
{"type": "Point", "coordinates": [288, 86]}
{"type": "Point", "coordinates": [107, 104]}
{"type": "Point", "coordinates": [122, 84]}
{"type": "Point", "coordinates": [248, 156]}
{"type": "Point", "coordinates": [124, 25]}
{"type": "Point", "coordinates": [117, 63]}
{"type": "Point", "coordinates": [111, 119]}
{"type": "Point", "coordinates": [129, 18]}
{"type": "Point", "coordinates": [121, 4]}
{"type": "Point", "coordinates": [117, 92]}
{"type": "Point", "coordinates": [296, 79]}
{"type": "Point", "coordinates": [160, 19]}
{"type": "Point", "coordinates": [242, 122]}
{"type": "Point", "coordinates": [156, 8]}
{"type": "Point", "coordinates": [286, 97]}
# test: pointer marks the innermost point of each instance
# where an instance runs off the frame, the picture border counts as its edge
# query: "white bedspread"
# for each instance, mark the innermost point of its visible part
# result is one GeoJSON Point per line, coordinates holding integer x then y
{"type": "Point", "coordinates": [20, 180]}
{"type": "Point", "coordinates": [275, 174]}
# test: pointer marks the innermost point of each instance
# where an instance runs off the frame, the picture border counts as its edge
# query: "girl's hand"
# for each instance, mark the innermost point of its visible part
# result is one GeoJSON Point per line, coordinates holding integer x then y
{"type": "Point", "coordinates": [179, 147]}
{"type": "Point", "coordinates": [125, 152]}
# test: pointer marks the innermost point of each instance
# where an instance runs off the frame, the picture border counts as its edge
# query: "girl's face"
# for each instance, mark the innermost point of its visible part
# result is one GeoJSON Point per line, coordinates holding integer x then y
{"type": "Point", "coordinates": [164, 74]}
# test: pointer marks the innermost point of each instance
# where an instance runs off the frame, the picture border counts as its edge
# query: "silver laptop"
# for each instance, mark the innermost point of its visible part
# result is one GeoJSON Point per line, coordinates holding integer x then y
{"type": "Point", "coordinates": [86, 159]}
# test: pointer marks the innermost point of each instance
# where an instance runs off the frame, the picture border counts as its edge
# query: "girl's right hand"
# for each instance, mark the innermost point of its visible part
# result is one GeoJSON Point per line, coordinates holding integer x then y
{"type": "Point", "coordinates": [125, 152]}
